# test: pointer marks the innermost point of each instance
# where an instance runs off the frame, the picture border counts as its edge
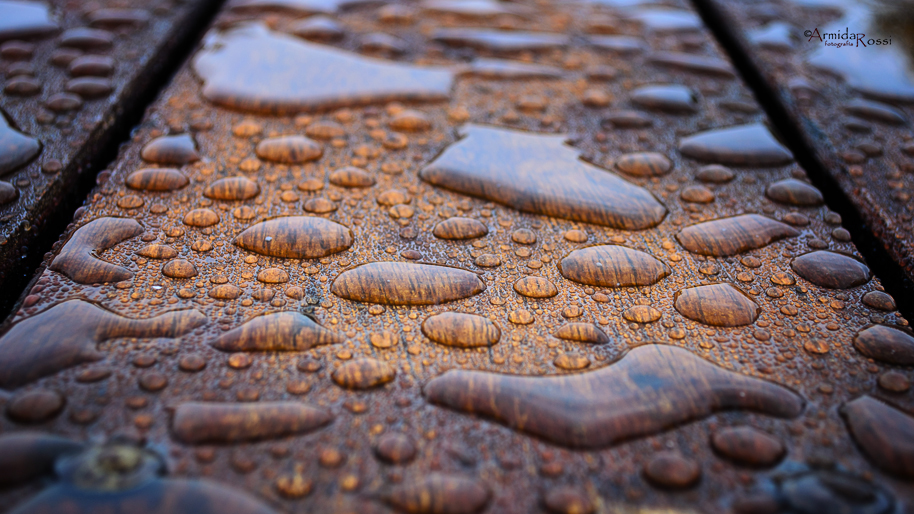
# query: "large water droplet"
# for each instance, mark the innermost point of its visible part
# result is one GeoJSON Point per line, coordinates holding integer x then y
{"type": "Point", "coordinates": [180, 149]}
{"type": "Point", "coordinates": [289, 149]}
{"type": "Point", "coordinates": [25, 20]}
{"type": "Point", "coordinates": [500, 41]}
{"type": "Point", "coordinates": [665, 97]}
{"type": "Point", "coordinates": [884, 433]}
{"type": "Point", "coordinates": [460, 229]}
{"type": "Point", "coordinates": [730, 236]}
{"type": "Point", "coordinates": [363, 373]}
{"type": "Point", "coordinates": [831, 269]}
{"type": "Point", "coordinates": [612, 266]}
{"type": "Point", "coordinates": [461, 330]}
{"type": "Point", "coordinates": [540, 174]}
{"type": "Point", "coordinates": [203, 422]}
{"type": "Point", "coordinates": [719, 305]}
{"type": "Point", "coordinates": [157, 179]}
{"type": "Point", "coordinates": [743, 145]}
{"type": "Point", "coordinates": [67, 334]}
{"type": "Point", "coordinates": [253, 69]}
{"type": "Point", "coordinates": [440, 493]}
{"type": "Point", "coordinates": [79, 257]}
{"type": "Point", "coordinates": [280, 331]}
{"type": "Point", "coordinates": [232, 188]}
{"type": "Point", "coordinates": [405, 283]}
{"type": "Point", "coordinates": [651, 389]}
{"type": "Point", "coordinates": [886, 344]}
{"type": "Point", "coordinates": [296, 237]}
{"type": "Point", "coordinates": [16, 148]}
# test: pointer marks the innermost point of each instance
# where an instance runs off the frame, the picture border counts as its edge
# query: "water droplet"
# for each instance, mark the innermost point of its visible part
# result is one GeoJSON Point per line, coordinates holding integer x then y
{"type": "Point", "coordinates": [351, 176]}
{"type": "Point", "coordinates": [318, 28]}
{"type": "Point", "coordinates": [571, 361]}
{"type": "Point", "coordinates": [498, 69]}
{"type": "Point", "coordinates": [201, 218]}
{"type": "Point", "coordinates": [540, 174]}
{"type": "Point", "coordinates": [472, 8]}
{"type": "Point", "coordinates": [439, 493]}
{"type": "Point", "coordinates": [748, 446]}
{"type": "Point", "coordinates": [289, 149]}
{"type": "Point", "coordinates": [363, 373]}
{"type": "Point", "coordinates": [35, 406]}
{"type": "Point", "coordinates": [582, 333]}
{"type": "Point", "coordinates": [224, 292]}
{"type": "Point", "coordinates": [644, 164]}
{"type": "Point", "coordinates": [180, 149]}
{"type": "Point", "coordinates": [879, 300]}
{"type": "Point", "coordinates": [26, 20]}
{"type": "Point", "coordinates": [28, 455]}
{"type": "Point", "coordinates": [612, 266]}
{"type": "Point", "coordinates": [700, 64]}
{"type": "Point", "coordinates": [535, 287]}
{"type": "Point", "coordinates": [719, 305]}
{"type": "Point", "coordinates": [697, 194]}
{"type": "Point", "coordinates": [392, 448]}
{"type": "Point", "coordinates": [875, 111]}
{"type": "Point", "coordinates": [715, 174]}
{"type": "Point", "coordinates": [405, 283]}
{"type": "Point", "coordinates": [500, 41]}
{"type": "Point", "coordinates": [201, 422]}
{"type": "Point", "coordinates": [776, 35]}
{"type": "Point", "coordinates": [625, 45]}
{"type": "Point", "coordinates": [886, 344]}
{"type": "Point", "coordinates": [79, 257]}
{"type": "Point", "coordinates": [461, 330]}
{"type": "Point", "coordinates": [296, 237]}
{"type": "Point", "coordinates": [794, 192]}
{"type": "Point", "coordinates": [743, 145]}
{"type": "Point", "coordinates": [179, 268]}
{"type": "Point", "coordinates": [284, 75]}
{"type": "Point", "coordinates": [672, 98]}
{"type": "Point", "coordinates": [831, 269]}
{"type": "Point", "coordinates": [18, 148]}
{"type": "Point", "coordinates": [67, 334]}
{"type": "Point", "coordinates": [671, 470]}
{"type": "Point", "coordinates": [883, 432]}
{"type": "Point", "coordinates": [157, 179]}
{"type": "Point", "coordinates": [651, 389]}
{"type": "Point", "coordinates": [232, 188]}
{"type": "Point", "coordinates": [280, 331]}
{"type": "Point", "coordinates": [730, 236]}
{"type": "Point", "coordinates": [460, 229]}
{"type": "Point", "coordinates": [157, 251]}
{"type": "Point", "coordinates": [641, 314]}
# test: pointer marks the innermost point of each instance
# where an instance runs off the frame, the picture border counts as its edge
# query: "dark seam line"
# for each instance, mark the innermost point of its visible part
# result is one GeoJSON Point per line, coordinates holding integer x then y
{"type": "Point", "coordinates": [890, 273]}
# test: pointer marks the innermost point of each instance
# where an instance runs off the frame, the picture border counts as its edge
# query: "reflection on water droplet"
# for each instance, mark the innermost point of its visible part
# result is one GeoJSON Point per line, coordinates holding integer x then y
{"type": "Point", "coordinates": [719, 305]}
{"type": "Point", "coordinates": [500, 41]}
{"type": "Point", "coordinates": [794, 192]}
{"type": "Point", "coordinates": [651, 389]}
{"type": "Point", "coordinates": [535, 287]}
{"type": "Point", "coordinates": [253, 69]}
{"type": "Point", "coordinates": [289, 149]}
{"type": "Point", "coordinates": [232, 188]}
{"type": "Point", "coordinates": [582, 333]}
{"type": "Point", "coordinates": [157, 179]}
{"type": "Point", "coordinates": [645, 164]}
{"type": "Point", "coordinates": [540, 174]}
{"type": "Point", "coordinates": [665, 97]}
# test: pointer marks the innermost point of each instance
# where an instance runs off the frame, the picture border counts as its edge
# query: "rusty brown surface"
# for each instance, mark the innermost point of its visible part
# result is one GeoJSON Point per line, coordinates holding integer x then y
{"type": "Point", "coordinates": [72, 72]}
{"type": "Point", "coordinates": [852, 105]}
{"type": "Point", "coordinates": [524, 280]}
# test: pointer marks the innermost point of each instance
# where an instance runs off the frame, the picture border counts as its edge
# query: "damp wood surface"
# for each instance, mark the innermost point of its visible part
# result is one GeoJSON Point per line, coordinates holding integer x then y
{"type": "Point", "coordinates": [501, 257]}
{"type": "Point", "coordinates": [72, 72]}
{"type": "Point", "coordinates": [852, 105]}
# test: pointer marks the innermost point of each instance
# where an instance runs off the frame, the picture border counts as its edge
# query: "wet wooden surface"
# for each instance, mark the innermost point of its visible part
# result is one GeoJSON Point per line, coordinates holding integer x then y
{"type": "Point", "coordinates": [850, 104]}
{"type": "Point", "coordinates": [73, 73]}
{"type": "Point", "coordinates": [450, 257]}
